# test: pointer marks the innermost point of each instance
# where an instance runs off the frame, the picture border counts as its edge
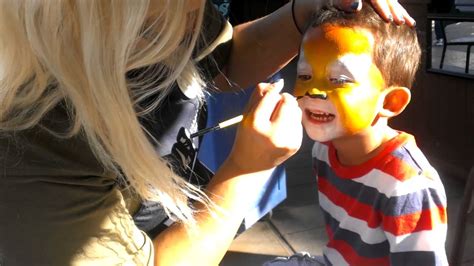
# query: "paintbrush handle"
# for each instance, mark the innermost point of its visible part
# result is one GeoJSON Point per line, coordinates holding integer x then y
{"type": "Point", "coordinates": [230, 122]}
{"type": "Point", "coordinates": [221, 125]}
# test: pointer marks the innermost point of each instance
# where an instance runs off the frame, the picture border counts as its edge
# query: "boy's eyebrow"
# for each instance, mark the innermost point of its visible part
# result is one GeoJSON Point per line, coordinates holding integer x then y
{"type": "Point", "coordinates": [341, 67]}
{"type": "Point", "coordinates": [353, 65]}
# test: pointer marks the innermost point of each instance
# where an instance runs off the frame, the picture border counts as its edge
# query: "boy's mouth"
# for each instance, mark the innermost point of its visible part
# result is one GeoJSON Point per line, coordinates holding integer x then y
{"type": "Point", "coordinates": [317, 116]}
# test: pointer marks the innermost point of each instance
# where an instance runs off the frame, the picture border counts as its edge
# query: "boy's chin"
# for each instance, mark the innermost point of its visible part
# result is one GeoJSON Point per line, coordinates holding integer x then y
{"type": "Point", "coordinates": [323, 137]}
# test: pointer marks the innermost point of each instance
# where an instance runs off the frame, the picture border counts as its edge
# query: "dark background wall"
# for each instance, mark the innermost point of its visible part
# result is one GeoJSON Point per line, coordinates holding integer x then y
{"type": "Point", "coordinates": [441, 114]}
{"type": "Point", "coordinates": [245, 10]}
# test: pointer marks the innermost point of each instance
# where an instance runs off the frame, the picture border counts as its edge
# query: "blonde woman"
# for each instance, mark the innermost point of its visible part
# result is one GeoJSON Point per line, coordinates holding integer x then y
{"type": "Point", "coordinates": [76, 77]}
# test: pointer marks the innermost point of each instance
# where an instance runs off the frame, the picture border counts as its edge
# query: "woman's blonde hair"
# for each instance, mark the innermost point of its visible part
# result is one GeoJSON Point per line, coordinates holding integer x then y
{"type": "Point", "coordinates": [79, 52]}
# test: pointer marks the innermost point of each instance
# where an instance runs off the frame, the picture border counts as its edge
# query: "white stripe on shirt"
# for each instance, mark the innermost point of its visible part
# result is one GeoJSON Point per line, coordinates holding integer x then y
{"type": "Point", "coordinates": [334, 257]}
{"type": "Point", "coordinates": [418, 241]}
{"type": "Point", "coordinates": [358, 226]}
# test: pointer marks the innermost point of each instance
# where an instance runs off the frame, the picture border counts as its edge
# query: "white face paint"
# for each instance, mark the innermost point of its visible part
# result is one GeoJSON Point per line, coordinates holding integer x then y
{"type": "Point", "coordinates": [321, 119]}
{"type": "Point", "coordinates": [349, 68]}
{"type": "Point", "coordinates": [303, 68]}
{"type": "Point", "coordinates": [343, 76]}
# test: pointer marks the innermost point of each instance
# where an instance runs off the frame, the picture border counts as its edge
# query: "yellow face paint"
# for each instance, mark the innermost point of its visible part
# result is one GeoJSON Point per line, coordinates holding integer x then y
{"type": "Point", "coordinates": [336, 64]}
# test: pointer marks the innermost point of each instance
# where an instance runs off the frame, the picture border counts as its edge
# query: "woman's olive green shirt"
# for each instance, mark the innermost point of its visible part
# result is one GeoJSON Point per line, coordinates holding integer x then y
{"type": "Point", "coordinates": [58, 206]}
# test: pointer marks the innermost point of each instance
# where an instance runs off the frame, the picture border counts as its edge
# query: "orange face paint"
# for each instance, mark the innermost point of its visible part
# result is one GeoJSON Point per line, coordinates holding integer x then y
{"type": "Point", "coordinates": [336, 62]}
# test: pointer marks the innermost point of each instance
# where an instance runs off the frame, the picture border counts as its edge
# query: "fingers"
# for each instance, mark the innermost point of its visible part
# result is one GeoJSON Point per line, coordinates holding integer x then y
{"type": "Point", "coordinates": [389, 10]}
{"type": "Point", "coordinates": [286, 126]}
{"type": "Point", "coordinates": [347, 5]}
{"type": "Point", "coordinates": [381, 6]}
{"type": "Point", "coordinates": [270, 132]}
{"type": "Point", "coordinates": [406, 17]}
{"type": "Point", "coordinates": [392, 11]}
{"type": "Point", "coordinates": [260, 91]}
{"type": "Point", "coordinates": [287, 109]}
{"type": "Point", "coordinates": [268, 104]}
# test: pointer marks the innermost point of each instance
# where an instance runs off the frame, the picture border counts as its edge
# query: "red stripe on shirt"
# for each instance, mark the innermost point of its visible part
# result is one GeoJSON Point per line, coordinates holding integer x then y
{"type": "Point", "coordinates": [396, 225]}
{"type": "Point", "coordinates": [398, 169]}
{"type": "Point", "coordinates": [353, 207]}
{"type": "Point", "coordinates": [329, 231]}
{"type": "Point", "coordinates": [415, 222]}
{"type": "Point", "coordinates": [364, 168]}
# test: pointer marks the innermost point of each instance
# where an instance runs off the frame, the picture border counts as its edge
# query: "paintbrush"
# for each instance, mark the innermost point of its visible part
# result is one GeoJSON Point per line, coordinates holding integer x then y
{"type": "Point", "coordinates": [221, 125]}
{"type": "Point", "coordinates": [278, 86]}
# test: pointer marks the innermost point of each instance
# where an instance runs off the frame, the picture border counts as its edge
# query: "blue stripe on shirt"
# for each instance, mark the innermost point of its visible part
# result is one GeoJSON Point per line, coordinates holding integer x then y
{"type": "Point", "coordinates": [394, 206]}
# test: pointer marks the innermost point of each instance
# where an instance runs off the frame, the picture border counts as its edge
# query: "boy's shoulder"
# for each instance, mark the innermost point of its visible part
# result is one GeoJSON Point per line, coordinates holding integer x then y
{"type": "Point", "coordinates": [400, 168]}
{"type": "Point", "coordinates": [405, 160]}
{"type": "Point", "coordinates": [405, 170]}
{"type": "Point", "coordinates": [401, 159]}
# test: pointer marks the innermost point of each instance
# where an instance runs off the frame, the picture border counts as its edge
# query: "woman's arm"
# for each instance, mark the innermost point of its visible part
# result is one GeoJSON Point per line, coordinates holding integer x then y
{"type": "Point", "coordinates": [263, 46]}
{"type": "Point", "coordinates": [270, 133]}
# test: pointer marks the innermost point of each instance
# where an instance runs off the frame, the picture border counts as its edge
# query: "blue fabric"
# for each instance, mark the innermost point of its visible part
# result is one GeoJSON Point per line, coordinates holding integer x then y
{"type": "Point", "coordinates": [217, 145]}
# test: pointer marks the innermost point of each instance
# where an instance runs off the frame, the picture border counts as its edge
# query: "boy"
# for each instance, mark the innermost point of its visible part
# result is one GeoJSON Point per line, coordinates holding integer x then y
{"type": "Point", "coordinates": [383, 203]}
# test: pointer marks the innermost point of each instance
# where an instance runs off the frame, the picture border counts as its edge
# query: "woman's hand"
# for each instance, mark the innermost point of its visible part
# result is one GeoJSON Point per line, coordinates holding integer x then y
{"type": "Point", "coordinates": [389, 10]}
{"type": "Point", "coordinates": [270, 132]}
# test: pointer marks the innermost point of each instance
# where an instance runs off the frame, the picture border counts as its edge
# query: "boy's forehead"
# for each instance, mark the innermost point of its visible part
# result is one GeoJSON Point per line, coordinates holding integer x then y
{"type": "Point", "coordinates": [339, 39]}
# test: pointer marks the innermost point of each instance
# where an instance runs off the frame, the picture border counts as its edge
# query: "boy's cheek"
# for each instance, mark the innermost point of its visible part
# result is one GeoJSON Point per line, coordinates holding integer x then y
{"type": "Point", "coordinates": [301, 106]}
{"type": "Point", "coordinates": [355, 114]}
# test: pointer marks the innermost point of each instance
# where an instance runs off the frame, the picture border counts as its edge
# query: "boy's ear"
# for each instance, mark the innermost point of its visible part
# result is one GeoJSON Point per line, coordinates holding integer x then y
{"type": "Point", "coordinates": [395, 101]}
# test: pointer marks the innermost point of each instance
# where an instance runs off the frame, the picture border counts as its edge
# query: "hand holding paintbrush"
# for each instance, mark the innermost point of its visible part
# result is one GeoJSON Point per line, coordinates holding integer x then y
{"type": "Point", "coordinates": [278, 86]}
{"type": "Point", "coordinates": [270, 130]}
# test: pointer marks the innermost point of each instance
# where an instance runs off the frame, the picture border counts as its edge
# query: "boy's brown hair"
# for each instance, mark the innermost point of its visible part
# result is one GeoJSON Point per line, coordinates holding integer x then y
{"type": "Point", "coordinates": [396, 52]}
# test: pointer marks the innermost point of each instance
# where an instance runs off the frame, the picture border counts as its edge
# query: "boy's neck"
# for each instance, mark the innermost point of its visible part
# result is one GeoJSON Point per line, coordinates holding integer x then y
{"type": "Point", "coordinates": [361, 147]}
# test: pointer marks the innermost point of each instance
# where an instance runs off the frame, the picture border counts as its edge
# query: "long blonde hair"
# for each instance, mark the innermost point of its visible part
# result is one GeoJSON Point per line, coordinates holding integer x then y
{"type": "Point", "coordinates": [79, 52]}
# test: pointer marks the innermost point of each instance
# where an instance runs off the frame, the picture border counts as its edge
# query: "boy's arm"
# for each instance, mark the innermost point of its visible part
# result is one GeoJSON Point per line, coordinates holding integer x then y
{"type": "Point", "coordinates": [415, 224]}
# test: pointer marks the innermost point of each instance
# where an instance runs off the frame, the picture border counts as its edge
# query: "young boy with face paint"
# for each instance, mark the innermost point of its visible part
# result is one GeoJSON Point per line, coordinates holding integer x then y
{"type": "Point", "coordinates": [383, 203]}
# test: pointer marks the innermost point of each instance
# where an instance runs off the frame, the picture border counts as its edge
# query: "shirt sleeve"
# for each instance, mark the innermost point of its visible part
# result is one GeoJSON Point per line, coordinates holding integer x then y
{"type": "Point", "coordinates": [415, 223]}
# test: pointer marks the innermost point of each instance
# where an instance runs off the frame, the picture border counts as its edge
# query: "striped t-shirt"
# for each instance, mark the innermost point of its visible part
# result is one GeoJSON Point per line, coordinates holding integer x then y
{"type": "Point", "coordinates": [390, 210]}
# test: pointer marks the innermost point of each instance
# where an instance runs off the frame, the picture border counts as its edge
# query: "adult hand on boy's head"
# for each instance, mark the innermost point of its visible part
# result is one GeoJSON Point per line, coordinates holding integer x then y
{"type": "Point", "coordinates": [314, 6]}
{"type": "Point", "coordinates": [391, 10]}
{"type": "Point", "coordinates": [304, 9]}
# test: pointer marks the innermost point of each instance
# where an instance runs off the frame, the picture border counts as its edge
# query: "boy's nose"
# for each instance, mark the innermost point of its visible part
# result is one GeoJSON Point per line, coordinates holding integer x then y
{"type": "Point", "coordinates": [311, 92]}
{"type": "Point", "coordinates": [316, 93]}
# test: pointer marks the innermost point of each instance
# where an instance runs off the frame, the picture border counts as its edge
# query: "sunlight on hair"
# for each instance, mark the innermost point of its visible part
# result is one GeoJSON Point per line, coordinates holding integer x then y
{"type": "Point", "coordinates": [78, 53]}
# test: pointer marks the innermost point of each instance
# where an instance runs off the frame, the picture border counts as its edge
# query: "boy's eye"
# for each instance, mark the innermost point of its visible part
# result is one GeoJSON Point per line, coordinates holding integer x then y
{"type": "Point", "coordinates": [304, 77]}
{"type": "Point", "coordinates": [340, 80]}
